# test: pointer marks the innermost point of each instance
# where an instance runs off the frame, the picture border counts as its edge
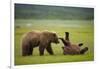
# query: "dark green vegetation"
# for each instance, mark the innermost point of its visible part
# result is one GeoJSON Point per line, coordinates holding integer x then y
{"type": "Point", "coordinates": [80, 26]}
{"type": "Point", "coordinates": [24, 11]}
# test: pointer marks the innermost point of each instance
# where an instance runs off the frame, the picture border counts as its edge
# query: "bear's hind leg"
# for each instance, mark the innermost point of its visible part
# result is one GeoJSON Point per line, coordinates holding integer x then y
{"type": "Point", "coordinates": [41, 50]}
{"type": "Point", "coordinates": [24, 51]}
{"type": "Point", "coordinates": [30, 50]}
{"type": "Point", "coordinates": [84, 50]}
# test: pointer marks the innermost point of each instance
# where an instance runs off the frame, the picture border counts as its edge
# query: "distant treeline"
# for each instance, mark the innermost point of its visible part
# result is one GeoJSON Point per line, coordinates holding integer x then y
{"type": "Point", "coordinates": [28, 11]}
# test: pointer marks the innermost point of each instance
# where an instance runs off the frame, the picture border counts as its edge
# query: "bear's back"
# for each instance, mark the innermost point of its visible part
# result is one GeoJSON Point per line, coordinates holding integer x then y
{"type": "Point", "coordinates": [33, 35]}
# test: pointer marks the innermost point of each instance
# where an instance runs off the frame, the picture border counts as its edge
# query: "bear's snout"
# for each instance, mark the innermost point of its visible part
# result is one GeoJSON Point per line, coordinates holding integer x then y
{"type": "Point", "coordinates": [57, 42]}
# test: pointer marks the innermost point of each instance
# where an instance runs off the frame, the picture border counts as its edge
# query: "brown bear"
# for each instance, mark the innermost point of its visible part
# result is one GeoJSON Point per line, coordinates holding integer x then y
{"type": "Point", "coordinates": [70, 48]}
{"type": "Point", "coordinates": [39, 39]}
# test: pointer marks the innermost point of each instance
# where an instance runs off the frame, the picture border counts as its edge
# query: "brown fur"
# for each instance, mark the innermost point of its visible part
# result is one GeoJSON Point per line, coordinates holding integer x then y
{"type": "Point", "coordinates": [36, 38]}
{"type": "Point", "coordinates": [70, 48]}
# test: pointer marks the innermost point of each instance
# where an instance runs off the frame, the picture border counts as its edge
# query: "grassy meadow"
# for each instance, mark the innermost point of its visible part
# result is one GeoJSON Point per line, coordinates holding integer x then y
{"type": "Point", "coordinates": [81, 31]}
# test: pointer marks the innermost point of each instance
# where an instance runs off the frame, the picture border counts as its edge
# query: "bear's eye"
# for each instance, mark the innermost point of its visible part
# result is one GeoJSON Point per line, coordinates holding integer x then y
{"type": "Point", "coordinates": [54, 35]}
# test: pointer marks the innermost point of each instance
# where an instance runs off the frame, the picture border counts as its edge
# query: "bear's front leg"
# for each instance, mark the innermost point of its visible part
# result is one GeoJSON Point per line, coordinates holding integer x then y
{"type": "Point", "coordinates": [41, 50]}
{"type": "Point", "coordinates": [49, 50]}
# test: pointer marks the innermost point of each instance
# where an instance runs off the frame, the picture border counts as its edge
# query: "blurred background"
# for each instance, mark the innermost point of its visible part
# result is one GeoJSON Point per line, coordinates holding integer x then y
{"type": "Point", "coordinates": [78, 21]}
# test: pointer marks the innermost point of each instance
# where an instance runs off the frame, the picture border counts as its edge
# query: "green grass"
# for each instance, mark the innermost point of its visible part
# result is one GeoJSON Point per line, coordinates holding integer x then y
{"type": "Point", "coordinates": [80, 31]}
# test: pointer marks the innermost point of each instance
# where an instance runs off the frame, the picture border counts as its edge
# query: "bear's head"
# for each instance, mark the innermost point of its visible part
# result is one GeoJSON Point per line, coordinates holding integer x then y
{"type": "Point", "coordinates": [52, 37]}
